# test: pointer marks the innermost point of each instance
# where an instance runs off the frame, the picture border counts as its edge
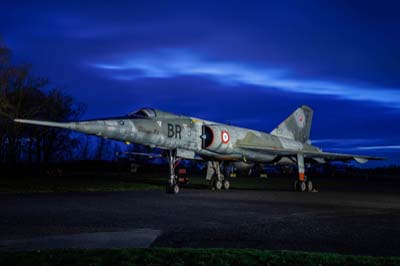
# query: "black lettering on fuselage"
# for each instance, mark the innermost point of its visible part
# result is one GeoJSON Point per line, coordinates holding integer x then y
{"type": "Point", "coordinates": [171, 132]}
{"type": "Point", "coordinates": [178, 130]}
{"type": "Point", "coordinates": [174, 131]}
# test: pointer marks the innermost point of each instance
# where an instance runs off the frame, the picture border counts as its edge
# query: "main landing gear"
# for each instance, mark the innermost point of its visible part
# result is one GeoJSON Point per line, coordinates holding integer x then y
{"type": "Point", "coordinates": [216, 178]}
{"type": "Point", "coordinates": [302, 184]}
{"type": "Point", "coordinates": [173, 184]}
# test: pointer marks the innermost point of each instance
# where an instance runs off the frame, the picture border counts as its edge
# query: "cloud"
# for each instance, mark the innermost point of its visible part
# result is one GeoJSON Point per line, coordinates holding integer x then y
{"type": "Point", "coordinates": [174, 63]}
{"type": "Point", "coordinates": [369, 146]}
{"type": "Point", "coordinates": [347, 141]}
{"type": "Point", "coordinates": [384, 147]}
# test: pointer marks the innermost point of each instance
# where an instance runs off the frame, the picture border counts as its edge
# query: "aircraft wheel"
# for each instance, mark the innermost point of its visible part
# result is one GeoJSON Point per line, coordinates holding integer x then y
{"type": "Point", "coordinates": [310, 186]}
{"type": "Point", "coordinates": [218, 185]}
{"type": "Point", "coordinates": [302, 186]}
{"type": "Point", "coordinates": [175, 188]}
{"type": "Point", "coordinates": [226, 184]}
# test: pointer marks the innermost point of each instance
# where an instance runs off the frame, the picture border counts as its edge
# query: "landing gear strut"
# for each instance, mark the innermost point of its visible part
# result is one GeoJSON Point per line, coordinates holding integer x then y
{"type": "Point", "coordinates": [302, 184]}
{"type": "Point", "coordinates": [216, 178]}
{"type": "Point", "coordinates": [172, 185]}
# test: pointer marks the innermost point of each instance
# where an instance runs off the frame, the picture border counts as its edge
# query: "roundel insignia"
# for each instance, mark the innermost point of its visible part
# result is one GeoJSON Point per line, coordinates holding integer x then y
{"type": "Point", "coordinates": [300, 118]}
{"type": "Point", "coordinates": [225, 136]}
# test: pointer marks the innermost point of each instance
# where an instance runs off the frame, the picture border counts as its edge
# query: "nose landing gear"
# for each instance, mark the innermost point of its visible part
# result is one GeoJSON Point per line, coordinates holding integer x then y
{"type": "Point", "coordinates": [172, 186]}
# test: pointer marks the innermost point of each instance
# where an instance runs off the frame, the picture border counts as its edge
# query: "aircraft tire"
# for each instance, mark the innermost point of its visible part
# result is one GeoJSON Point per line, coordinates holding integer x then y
{"type": "Point", "coordinates": [226, 184]}
{"type": "Point", "coordinates": [296, 185]}
{"type": "Point", "coordinates": [302, 186]}
{"type": "Point", "coordinates": [310, 185]}
{"type": "Point", "coordinates": [218, 184]}
{"type": "Point", "coordinates": [175, 188]}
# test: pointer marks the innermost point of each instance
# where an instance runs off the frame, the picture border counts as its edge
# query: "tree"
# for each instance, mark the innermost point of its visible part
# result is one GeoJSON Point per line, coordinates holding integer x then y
{"type": "Point", "coordinates": [24, 96]}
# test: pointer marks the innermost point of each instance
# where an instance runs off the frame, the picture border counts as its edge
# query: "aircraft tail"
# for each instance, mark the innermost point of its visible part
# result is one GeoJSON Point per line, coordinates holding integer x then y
{"type": "Point", "coordinates": [297, 126]}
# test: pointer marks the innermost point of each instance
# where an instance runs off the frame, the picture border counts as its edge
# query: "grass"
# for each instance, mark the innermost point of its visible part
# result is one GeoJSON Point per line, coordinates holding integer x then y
{"type": "Point", "coordinates": [113, 181]}
{"type": "Point", "coordinates": [169, 256]}
{"type": "Point", "coordinates": [76, 183]}
{"type": "Point", "coordinates": [107, 181]}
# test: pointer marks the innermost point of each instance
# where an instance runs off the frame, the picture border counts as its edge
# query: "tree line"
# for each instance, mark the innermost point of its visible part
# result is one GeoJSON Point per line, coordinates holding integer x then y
{"type": "Point", "coordinates": [23, 95]}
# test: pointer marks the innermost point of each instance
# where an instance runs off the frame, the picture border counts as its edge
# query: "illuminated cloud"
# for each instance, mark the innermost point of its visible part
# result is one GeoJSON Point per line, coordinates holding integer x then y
{"type": "Point", "coordinates": [170, 64]}
{"type": "Point", "coordinates": [347, 142]}
{"type": "Point", "coordinates": [384, 147]}
{"type": "Point", "coordinates": [351, 144]}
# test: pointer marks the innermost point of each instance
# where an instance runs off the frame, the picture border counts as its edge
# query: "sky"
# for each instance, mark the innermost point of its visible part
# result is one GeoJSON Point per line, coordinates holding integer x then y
{"type": "Point", "coordinates": [246, 63]}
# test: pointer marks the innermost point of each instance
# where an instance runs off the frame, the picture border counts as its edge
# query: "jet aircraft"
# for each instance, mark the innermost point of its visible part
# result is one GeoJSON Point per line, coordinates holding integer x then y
{"type": "Point", "coordinates": [183, 137]}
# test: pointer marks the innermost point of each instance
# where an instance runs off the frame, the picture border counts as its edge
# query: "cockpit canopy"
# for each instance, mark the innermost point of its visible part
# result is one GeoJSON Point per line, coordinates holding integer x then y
{"type": "Point", "coordinates": [143, 113]}
{"type": "Point", "coordinates": [151, 113]}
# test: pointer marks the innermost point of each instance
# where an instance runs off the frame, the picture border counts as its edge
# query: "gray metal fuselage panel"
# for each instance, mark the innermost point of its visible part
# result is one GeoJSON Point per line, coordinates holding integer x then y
{"type": "Point", "coordinates": [180, 132]}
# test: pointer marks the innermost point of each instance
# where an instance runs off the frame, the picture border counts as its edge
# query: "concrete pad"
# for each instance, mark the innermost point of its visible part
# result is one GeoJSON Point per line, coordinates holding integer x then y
{"type": "Point", "coordinates": [138, 238]}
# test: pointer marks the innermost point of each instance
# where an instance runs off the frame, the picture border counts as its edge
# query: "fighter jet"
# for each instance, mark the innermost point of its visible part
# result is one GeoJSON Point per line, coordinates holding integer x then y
{"type": "Point", "coordinates": [183, 137]}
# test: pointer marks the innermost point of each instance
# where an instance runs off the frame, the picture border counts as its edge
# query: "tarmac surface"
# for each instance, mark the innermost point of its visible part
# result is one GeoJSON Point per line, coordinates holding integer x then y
{"type": "Point", "coordinates": [362, 222]}
{"type": "Point", "coordinates": [138, 238]}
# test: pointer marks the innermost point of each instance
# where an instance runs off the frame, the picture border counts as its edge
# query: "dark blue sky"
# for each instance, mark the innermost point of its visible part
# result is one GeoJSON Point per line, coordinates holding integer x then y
{"type": "Point", "coordinates": [244, 62]}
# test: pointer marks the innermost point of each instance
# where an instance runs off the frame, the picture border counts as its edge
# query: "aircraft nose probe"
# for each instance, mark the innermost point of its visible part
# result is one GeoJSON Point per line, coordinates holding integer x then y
{"type": "Point", "coordinates": [68, 125]}
{"type": "Point", "coordinates": [96, 127]}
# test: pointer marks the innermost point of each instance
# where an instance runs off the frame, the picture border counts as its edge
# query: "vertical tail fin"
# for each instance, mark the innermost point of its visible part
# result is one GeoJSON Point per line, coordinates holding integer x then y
{"type": "Point", "coordinates": [297, 126]}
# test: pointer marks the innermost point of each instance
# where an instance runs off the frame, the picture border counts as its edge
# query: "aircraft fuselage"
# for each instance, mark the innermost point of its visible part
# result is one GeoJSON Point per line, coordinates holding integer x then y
{"type": "Point", "coordinates": [193, 136]}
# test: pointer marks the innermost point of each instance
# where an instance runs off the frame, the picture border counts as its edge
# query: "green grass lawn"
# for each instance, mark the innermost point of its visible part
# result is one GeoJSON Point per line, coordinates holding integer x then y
{"type": "Point", "coordinates": [76, 183]}
{"type": "Point", "coordinates": [125, 181]}
{"type": "Point", "coordinates": [117, 181]}
{"type": "Point", "coordinates": [169, 256]}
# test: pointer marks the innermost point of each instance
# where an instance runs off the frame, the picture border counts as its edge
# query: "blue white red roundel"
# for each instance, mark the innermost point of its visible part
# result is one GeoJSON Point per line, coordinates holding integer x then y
{"type": "Point", "coordinates": [225, 136]}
